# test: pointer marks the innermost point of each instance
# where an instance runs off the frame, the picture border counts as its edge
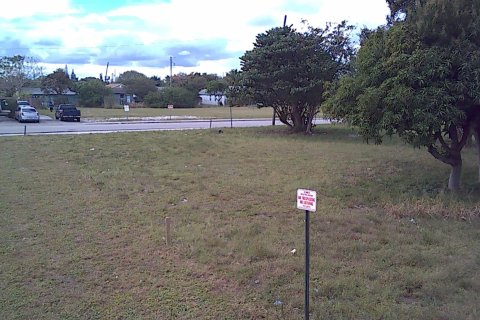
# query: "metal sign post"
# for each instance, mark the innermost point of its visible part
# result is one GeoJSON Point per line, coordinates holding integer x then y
{"type": "Point", "coordinates": [307, 200]}
{"type": "Point", "coordinates": [307, 264]}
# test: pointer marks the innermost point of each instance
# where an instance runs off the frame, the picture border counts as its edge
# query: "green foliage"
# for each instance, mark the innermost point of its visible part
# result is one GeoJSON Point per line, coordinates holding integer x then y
{"type": "Point", "coordinates": [130, 75]}
{"type": "Point", "coordinates": [193, 81]}
{"type": "Point", "coordinates": [236, 92]}
{"type": "Point", "coordinates": [57, 82]}
{"type": "Point", "coordinates": [138, 83]}
{"type": "Point", "coordinates": [15, 71]}
{"type": "Point", "coordinates": [158, 81]}
{"type": "Point", "coordinates": [418, 78]}
{"type": "Point", "coordinates": [217, 88]}
{"type": "Point", "coordinates": [287, 70]}
{"type": "Point", "coordinates": [177, 96]}
{"type": "Point", "coordinates": [92, 92]}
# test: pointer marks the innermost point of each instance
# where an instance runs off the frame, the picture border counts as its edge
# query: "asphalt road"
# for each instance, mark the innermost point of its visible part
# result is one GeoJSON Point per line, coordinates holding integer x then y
{"type": "Point", "coordinates": [9, 127]}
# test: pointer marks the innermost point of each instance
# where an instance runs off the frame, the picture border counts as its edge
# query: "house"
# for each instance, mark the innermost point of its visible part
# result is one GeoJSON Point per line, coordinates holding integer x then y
{"type": "Point", "coordinates": [120, 94]}
{"type": "Point", "coordinates": [210, 99]}
{"type": "Point", "coordinates": [37, 97]}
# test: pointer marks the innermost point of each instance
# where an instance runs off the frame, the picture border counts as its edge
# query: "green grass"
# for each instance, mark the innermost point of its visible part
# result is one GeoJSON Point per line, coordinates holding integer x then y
{"type": "Point", "coordinates": [82, 235]}
{"type": "Point", "coordinates": [203, 113]}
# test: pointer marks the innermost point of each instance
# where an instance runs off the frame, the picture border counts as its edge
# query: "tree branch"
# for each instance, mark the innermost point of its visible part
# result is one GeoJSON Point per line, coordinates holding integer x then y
{"type": "Point", "coordinates": [444, 144]}
{"type": "Point", "coordinates": [437, 155]}
{"type": "Point", "coordinates": [465, 135]}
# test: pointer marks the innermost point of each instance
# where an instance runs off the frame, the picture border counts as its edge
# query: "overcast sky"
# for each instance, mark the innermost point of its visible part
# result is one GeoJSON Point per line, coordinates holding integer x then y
{"type": "Point", "coordinates": [201, 36]}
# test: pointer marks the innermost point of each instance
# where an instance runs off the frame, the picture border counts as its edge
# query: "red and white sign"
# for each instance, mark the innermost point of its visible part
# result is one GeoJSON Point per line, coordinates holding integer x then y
{"type": "Point", "coordinates": [306, 200]}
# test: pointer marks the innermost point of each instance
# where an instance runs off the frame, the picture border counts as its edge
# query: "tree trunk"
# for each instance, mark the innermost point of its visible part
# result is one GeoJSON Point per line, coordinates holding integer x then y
{"type": "Point", "coordinates": [298, 123]}
{"type": "Point", "coordinates": [283, 113]}
{"type": "Point", "coordinates": [455, 176]}
{"type": "Point", "coordinates": [310, 115]}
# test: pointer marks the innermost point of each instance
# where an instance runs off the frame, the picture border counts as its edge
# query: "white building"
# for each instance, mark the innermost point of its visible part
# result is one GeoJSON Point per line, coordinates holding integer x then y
{"type": "Point", "coordinates": [210, 99]}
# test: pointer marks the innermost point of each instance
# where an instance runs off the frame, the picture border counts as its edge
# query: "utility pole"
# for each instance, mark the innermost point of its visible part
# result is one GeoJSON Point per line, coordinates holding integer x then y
{"type": "Point", "coordinates": [171, 68]}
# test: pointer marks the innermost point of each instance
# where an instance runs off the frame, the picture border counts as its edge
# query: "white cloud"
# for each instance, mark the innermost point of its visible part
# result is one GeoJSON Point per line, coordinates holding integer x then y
{"type": "Point", "coordinates": [221, 26]}
{"type": "Point", "coordinates": [30, 8]}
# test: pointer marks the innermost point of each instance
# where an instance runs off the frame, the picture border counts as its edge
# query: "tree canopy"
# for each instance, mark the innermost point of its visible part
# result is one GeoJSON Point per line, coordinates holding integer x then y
{"type": "Point", "coordinates": [288, 70]}
{"type": "Point", "coordinates": [15, 72]}
{"type": "Point", "coordinates": [57, 81]}
{"type": "Point", "coordinates": [137, 83]}
{"type": "Point", "coordinates": [176, 96]}
{"type": "Point", "coordinates": [419, 78]}
{"type": "Point", "coordinates": [217, 88]}
{"type": "Point", "coordinates": [91, 92]}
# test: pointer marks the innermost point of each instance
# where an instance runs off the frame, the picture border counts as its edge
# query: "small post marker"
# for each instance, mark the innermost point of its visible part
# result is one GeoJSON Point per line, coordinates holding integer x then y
{"type": "Point", "coordinates": [168, 231]}
{"type": "Point", "coordinates": [25, 130]}
{"type": "Point", "coordinates": [307, 200]}
{"type": "Point", "coordinates": [126, 108]}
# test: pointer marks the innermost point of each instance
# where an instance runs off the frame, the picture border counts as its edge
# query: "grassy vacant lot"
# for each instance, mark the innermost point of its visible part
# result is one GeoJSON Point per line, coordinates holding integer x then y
{"type": "Point", "coordinates": [82, 236]}
{"type": "Point", "coordinates": [205, 113]}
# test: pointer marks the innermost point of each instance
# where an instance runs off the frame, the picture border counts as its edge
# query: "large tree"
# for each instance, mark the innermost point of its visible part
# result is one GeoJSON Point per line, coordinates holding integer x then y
{"type": "Point", "coordinates": [288, 70]}
{"type": "Point", "coordinates": [137, 83]}
{"type": "Point", "coordinates": [418, 78]}
{"type": "Point", "coordinates": [92, 92]}
{"type": "Point", "coordinates": [57, 82]}
{"type": "Point", "coordinates": [193, 82]}
{"type": "Point", "coordinates": [15, 72]}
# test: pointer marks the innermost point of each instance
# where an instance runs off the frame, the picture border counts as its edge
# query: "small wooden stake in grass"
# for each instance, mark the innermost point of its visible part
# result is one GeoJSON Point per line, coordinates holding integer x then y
{"type": "Point", "coordinates": [168, 233]}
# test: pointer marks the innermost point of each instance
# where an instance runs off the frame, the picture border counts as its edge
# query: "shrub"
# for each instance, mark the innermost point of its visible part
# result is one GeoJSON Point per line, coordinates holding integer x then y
{"type": "Point", "coordinates": [179, 97]}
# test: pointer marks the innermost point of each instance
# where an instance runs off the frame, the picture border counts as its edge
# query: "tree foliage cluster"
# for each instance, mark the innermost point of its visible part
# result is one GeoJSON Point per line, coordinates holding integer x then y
{"type": "Point", "coordinates": [15, 72]}
{"type": "Point", "coordinates": [137, 83]}
{"type": "Point", "coordinates": [92, 92]}
{"type": "Point", "coordinates": [418, 77]}
{"type": "Point", "coordinates": [184, 89]}
{"type": "Point", "coordinates": [177, 96]}
{"type": "Point", "coordinates": [57, 82]}
{"type": "Point", "coordinates": [289, 70]}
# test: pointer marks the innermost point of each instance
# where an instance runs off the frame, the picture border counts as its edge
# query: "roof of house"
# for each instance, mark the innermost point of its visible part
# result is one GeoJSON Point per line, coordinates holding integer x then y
{"type": "Point", "coordinates": [38, 91]}
{"type": "Point", "coordinates": [204, 92]}
{"type": "Point", "coordinates": [117, 88]}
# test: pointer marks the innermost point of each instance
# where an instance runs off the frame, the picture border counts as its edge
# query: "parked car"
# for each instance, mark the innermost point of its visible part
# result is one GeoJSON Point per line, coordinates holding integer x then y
{"type": "Point", "coordinates": [26, 113]}
{"type": "Point", "coordinates": [67, 112]}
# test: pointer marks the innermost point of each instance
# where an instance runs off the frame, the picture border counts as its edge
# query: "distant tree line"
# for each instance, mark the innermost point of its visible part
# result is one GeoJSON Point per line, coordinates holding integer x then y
{"type": "Point", "coordinates": [182, 90]}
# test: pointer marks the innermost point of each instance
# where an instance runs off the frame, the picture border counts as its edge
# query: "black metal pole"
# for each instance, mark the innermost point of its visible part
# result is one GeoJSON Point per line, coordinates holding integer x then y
{"type": "Point", "coordinates": [307, 264]}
